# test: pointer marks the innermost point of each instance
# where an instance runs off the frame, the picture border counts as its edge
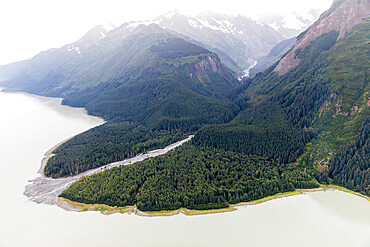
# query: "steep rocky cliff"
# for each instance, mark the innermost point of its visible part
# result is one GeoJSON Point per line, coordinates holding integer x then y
{"type": "Point", "coordinates": [341, 17]}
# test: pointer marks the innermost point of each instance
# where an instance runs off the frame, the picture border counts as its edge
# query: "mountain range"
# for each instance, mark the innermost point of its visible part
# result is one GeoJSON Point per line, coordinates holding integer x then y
{"type": "Point", "coordinates": [302, 120]}
{"type": "Point", "coordinates": [237, 40]}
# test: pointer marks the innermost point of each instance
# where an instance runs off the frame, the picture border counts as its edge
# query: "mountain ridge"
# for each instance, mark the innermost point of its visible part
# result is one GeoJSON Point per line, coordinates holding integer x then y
{"type": "Point", "coordinates": [341, 17]}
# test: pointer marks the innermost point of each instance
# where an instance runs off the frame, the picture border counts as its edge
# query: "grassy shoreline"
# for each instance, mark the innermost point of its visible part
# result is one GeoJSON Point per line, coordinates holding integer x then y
{"type": "Point", "coordinates": [107, 210]}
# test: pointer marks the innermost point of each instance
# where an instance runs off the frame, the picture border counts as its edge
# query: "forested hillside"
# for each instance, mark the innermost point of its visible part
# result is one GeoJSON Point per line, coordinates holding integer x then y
{"type": "Point", "coordinates": [279, 110]}
{"type": "Point", "coordinates": [296, 123]}
{"type": "Point", "coordinates": [147, 76]}
{"type": "Point", "coordinates": [168, 85]}
{"type": "Point", "coordinates": [350, 167]}
{"type": "Point", "coordinates": [308, 113]}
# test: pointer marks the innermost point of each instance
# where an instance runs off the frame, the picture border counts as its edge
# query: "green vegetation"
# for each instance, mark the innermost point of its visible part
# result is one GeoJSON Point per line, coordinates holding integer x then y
{"type": "Point", "coordinates": [163, 88]}
{"type": "Point", "coordinates": [283, 119]}
{"type": "Point", "coordinates": [190, 177]}
{"type": "Point", "coordinates": [272, 134]}
{"type": "Point", "coordinates": [346, 105]}
{"type": "Point", "coordinates": [310, 112]}
{"type": "Point", "coordinates": [274, 56]}
{"type": "Point", "coordinates": [105, 144]}
{"type": "Point", "coordinates": [279, 110]}
{"type": "Point", "coordinates": [157, 104]}
{"type": "Point", "coordinates": [350, 167]}
{"type": "Point", "coordinates": [158, 86]}
{"type": "Point", "coordinates": [262, 130]}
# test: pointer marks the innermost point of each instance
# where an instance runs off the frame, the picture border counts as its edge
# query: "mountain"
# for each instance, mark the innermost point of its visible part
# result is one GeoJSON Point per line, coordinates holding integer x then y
{"type": "Point", "coordinates": [263, 63]}
{"type": "Point", "coordinates": [310, 104]}
{"type": "Point", "coordinates": [341, 17]}
{"type": "Point", "coordinates": [296, 123]}
{"type": "Point", "coordinates": [239, 37]}
{"type": "Point", "coordinates": [238, 40]}
{"type": "Point", "coordinates": [291, 24]}
{"type": "Point", "coordinates": [140, 75]}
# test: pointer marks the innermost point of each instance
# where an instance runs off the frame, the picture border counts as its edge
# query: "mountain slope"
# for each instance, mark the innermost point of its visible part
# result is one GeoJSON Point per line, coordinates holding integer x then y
{"type": "Point", "coordinates": [350, 167]}
{"type": "Point", "coordinates": [341, 17]}
{"type": "Point", "coordinates": [238, 40]}
{"type": "Point", "coordinates": [323, 98]}
{"type": "Point", "coordinates": [291, 24]}
{"type": "Point", "coordinates": [150, 85]}
{"type": "Point", "coordinates": [147, 75]}
{"type": "Point", "coordinates": [239, 37]}
{"type": "Point", "coordinates": [273, 57]}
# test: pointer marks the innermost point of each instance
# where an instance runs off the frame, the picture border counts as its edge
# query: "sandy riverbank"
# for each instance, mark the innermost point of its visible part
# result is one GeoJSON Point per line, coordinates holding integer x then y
{"type": "Point", "coordinates": [46, 190]}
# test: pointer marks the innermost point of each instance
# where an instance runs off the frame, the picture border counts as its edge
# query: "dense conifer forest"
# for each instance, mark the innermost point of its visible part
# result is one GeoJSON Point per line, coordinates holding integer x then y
{"type": "Point", "coordinates": [270, 134]}
{"type": "Point", "coordinates": [350, 167]}
{"type": "Point", "coordinates": [192, 177]}
{"type": "Point", "coordinates": [104, 144]}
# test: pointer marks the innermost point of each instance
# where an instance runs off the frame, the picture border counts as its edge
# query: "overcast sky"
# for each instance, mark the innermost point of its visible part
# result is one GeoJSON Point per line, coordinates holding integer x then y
{"type": "Point", "coordinates": [30, 26]}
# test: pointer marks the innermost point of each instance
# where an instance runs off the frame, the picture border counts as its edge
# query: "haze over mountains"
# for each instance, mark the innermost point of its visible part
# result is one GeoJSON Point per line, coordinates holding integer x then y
{"type": "Point", "coordinates": [237, 40]}
{"type": "Point", "coordinates": [308, 114]}
{"type": "Point", "coordinates": [177, 75]}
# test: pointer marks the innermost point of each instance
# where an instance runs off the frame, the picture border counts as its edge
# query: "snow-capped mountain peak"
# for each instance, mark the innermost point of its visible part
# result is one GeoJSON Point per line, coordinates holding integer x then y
{"type": "Point", "coordinates": [109, 27]}
{"type": "Point", "coordinates": [291, 24]}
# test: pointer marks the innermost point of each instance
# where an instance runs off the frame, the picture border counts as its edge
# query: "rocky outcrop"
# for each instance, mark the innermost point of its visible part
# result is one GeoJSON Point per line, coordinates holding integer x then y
{"type": "Point", "coordinates": [341, 17]}
{"type": "Point", "coordinates": [208, 64]}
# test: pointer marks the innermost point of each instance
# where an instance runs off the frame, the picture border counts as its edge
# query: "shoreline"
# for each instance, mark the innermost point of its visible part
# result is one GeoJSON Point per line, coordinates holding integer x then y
{"type": "Point", "coordinates": [108, 210]}
{"type": "Point", "coordinates": [50, 154]}
{"type": "Point", "coordinates": [47, 190]}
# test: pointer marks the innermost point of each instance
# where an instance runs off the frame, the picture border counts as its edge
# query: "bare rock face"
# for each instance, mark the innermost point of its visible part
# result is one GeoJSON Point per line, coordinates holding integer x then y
{"type": "Point", "coordinates": [209, 64]}
{"type": "Point", "coordinates": [341, 17]}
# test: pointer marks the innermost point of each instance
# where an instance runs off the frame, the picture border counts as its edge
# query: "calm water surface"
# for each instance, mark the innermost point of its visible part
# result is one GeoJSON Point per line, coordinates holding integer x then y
{"type": "Point", "coordinates": [30, 125]}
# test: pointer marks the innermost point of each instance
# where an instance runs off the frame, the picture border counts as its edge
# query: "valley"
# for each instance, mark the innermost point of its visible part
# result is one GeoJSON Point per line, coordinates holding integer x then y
{"type": "Point", "coordinates": [292, 126]}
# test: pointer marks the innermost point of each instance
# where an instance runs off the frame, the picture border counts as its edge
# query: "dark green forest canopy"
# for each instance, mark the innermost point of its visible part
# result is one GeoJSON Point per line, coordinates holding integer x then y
{"type": "Point", "coordinates": [263, 131]}
{"type": "Point", "coordinates": [171, 84]}
{"type": "Point", "coordinates": [191, 177]}
{"type": "Point", "coordinates": [278, 110]}
{"type": "Point", "coordinates": [282, 114]}
{"type": "Point", "coordinates": [276, 117]}
{"type": "Point", "coordinates": [104, 144]}
{"type": "Point", "coordinates": [156, 95]}
{"type": "Point", "coordinates": [350, 167]}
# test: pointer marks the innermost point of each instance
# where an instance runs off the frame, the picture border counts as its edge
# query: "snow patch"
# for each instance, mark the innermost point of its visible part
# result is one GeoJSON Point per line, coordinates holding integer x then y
{"type": "Point", "coordinates": [170, 14]}
{"type": "Point", "coordinates": [109, 27]}
{"type": "Point", "coordinates": [102, 35]}
{"type": "Point", "coordinates": [274, 26]}
{"type": "Point", "coordinates": [206, 24]}
{"type": "Point", "coordinates": [195, 24]}
{"type": "Point", "coordinates": [134, 24]}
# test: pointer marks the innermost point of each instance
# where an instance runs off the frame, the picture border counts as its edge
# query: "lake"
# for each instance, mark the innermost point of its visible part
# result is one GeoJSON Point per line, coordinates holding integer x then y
{"type": "Point", "coordinates": [31, 125]}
